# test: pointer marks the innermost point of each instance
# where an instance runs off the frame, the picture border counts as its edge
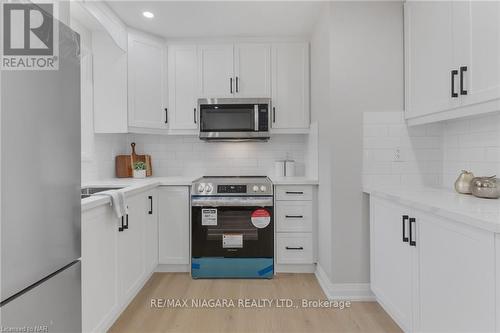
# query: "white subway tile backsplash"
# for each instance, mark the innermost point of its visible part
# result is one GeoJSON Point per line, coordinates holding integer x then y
{"type": "Point", "coordinates": [430, 155]}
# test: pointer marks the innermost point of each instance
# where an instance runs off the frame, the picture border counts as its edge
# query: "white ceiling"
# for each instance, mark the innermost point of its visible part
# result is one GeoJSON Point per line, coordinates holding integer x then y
{"type": "Point", "coordinates": [190, 19]}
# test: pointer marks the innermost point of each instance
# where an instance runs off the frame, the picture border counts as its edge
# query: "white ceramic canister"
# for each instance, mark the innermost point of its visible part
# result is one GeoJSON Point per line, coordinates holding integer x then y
{"type": "Point", "coordinates": [290, 168]}
{"type": "Point", "coordinates": [279, 168]}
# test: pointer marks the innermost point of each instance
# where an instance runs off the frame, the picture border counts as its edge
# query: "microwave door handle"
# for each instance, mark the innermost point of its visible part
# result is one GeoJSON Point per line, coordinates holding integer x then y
{"type": "Point", "coordinates": [256, 117]}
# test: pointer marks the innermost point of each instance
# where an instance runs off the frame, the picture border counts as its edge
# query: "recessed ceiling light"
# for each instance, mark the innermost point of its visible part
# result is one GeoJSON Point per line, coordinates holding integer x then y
{"type": "Point", "coordinates": [148, 15]}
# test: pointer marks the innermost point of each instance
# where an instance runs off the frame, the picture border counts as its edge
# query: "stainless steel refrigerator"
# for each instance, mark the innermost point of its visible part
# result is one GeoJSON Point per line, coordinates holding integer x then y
{"type": "Point", "coordinates": [40, 194]}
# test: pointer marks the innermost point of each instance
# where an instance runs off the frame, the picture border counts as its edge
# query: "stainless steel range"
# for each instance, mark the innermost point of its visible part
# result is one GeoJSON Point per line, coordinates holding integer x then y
{"type": "Point", "coordinates": [232, 227]}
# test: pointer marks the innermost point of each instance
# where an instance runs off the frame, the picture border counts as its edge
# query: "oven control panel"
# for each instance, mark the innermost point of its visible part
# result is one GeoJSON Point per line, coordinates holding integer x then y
{"type": "Point", "coordinates": [232, 189]}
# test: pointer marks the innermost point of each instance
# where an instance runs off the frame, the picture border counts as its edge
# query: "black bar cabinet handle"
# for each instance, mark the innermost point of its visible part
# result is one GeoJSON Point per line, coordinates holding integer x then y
{"type": "Point", "coordinates": [166, 115]}
{"type": "Point", "coordinates": [120, 228]}
{"type": "Point", "coordinates": [126, 220]}
{"type": "Point", "coordinates": [151, 205]}
{"type": "Point", "coordinates": [294, 248]}
{"type": "Point", "coordinates": [453, 74]}
{"type": "Point", "coordinates": [294, 192]}
{"type": "Point", "coordinates": [462, 90]}
{"type": "Point", "coordinates": [237, 85]}
{"type": "Point", "coordinates": [404, 220]}
{"type": "Point", "coordinates": [294, 216]}
{"type": "Point", "coordinates": [412, 241]}
{"type": "Point", "coordinates": [274, 114]}
{"type": "Point", "coordinates": [194, 115]}
{"type": "Point", "coordinates": [231, 85]}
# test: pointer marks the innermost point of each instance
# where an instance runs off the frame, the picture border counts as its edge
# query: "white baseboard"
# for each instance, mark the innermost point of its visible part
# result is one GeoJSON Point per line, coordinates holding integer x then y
{"type": "Point", "coordinates": [172, 268]}
{"type": "Point", "coordinates": [347, 291]}
{"type": "Point", "coordinates": [294, 268]}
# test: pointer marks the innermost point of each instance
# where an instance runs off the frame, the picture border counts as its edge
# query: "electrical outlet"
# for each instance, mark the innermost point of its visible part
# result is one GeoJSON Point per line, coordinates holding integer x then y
{"type": "Point", "coordinates": [397, 155]}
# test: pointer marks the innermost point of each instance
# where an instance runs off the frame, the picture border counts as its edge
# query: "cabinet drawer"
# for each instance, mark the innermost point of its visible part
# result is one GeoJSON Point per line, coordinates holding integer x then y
{"type": "Point", "coordinates": [294, 216]}
{"type": "Point", "coordinates": [294, 248]}
{"type": "Point", "coordinates": [294, 192]}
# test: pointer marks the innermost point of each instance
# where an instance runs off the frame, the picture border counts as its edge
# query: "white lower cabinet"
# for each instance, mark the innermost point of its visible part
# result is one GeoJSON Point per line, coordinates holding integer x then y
{"type": "Point", "coordinates": [429, 273]}
{"type": "Point", "coordinates": [99, 268]}
{"type": "Point", "coordinates": [116, 261]}
{"type": "Point", "coordinates": [174, 213]}
{"type": "Point", "coordinates": [295, 227]}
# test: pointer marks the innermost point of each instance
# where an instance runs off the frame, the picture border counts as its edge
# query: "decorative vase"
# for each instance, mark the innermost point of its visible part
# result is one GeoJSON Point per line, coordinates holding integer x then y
{"type": "Point", "coordinates": [139, 173]}
{"type": "Point", "coordinates": [463, 182]}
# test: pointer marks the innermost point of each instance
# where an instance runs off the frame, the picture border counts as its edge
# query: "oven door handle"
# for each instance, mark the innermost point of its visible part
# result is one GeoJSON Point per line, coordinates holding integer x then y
{"type": "Point", "coordinates": [232, 201]}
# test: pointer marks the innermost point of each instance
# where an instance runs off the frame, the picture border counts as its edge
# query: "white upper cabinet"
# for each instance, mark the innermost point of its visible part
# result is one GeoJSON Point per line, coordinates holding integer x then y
{"type": "Point", "coordinates": [478, 50]}
{"type": "Point", "coordinates": [452, 52]}
{"type": "Point", "coordinates": [429, 27]}
{"type": "Point", "coordinates": [183, 87]}
{"type": "Point", "coordinates": [290, 85]}
{"type": "Point", "coordinates": [252, 70]}
{"type": "Point", "coordinates": [216, 70]}
{"type": "Point", "coordinates": [147, 87]}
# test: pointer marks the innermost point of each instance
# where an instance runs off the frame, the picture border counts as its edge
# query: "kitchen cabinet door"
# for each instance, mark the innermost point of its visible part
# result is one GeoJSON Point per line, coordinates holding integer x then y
{"type": "Point", "coordinates": [216, 70]}
{"type": "Point", "coordinates": [477, 47]}
{"type": "Point", "coordinates": [147, 86]}
{"type": "Point", "coordinates": [183, 87]}
{"type": "Point", "coordinates": [252, 66]}
{"type": "Point", "coordinates": [99, 268]}
{"type": "Point", "coordinates": [290, 85]}
{"type": "Point", "coordinates": [150, 231]}
{"type": "Point", "coordinates": [391, 261]}
{"type": "Point", "coordinates": [456, 278]}
{"type": "Point", "coordinates": [174, 220]}
{"type": "Point", "coordinates": [131, 250]}
{"type": "Point", "coordinates": [429, 59]}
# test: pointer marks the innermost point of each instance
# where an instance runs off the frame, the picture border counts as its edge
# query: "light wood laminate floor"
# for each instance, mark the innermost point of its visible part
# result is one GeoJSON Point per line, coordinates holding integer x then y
{"type": "Point", "coordinates": [141, 317]}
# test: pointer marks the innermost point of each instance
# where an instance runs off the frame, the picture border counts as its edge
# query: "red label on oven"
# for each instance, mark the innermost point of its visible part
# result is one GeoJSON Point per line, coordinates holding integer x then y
{"type": "Point", "coordinates": [261, 218]}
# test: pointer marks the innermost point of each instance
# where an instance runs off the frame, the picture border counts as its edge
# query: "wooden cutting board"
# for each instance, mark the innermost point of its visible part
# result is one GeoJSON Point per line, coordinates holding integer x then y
{"type": "Point", "coordinates": [124, 164]}
{"type": "Point", "coordinates": [142, 158]}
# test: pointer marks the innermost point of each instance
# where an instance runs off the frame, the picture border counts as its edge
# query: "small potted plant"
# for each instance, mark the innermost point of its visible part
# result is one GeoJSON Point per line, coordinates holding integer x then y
{"type": "Point", "coordinates": [139, 169]}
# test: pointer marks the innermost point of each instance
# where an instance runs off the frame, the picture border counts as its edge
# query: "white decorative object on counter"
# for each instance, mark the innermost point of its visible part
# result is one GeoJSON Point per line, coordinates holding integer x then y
{"type": "Point", "coordinates": [279, 168]}
{"type": "Point", "coordinates": [290, 168]}
{"type": "Point", "coordinates": [141, 174]}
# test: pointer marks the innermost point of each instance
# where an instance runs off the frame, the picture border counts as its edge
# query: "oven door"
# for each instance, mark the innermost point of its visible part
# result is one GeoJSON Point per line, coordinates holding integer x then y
{"type": "Point", "coordinates": [243, 231]}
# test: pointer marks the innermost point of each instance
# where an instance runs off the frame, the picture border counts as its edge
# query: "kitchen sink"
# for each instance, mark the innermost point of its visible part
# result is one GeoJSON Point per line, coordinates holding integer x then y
{"type": "Point", "coordinates": [89, 191]}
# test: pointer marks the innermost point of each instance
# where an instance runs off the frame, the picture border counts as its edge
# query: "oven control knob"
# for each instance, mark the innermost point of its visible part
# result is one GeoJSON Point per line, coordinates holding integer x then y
{"type": "Point", "coordinates": [201, 188]}
{"type": "Point", "coordinates": [263, 188]}
{"type": "Point", "coordinates": [255, 188]}
{"type": "Point", "coordinates": [209, 188]}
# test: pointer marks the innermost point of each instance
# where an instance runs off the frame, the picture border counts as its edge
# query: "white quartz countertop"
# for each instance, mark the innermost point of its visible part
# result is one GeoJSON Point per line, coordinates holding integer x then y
{"type": "Point", "coordinates": [478, 212]}
{"type": "Point", "coordinates": [132, 186]}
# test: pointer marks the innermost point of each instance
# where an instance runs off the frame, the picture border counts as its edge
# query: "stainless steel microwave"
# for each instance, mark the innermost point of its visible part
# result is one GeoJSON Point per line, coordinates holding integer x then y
{"type": "Point", "coordinates": [234, 119]}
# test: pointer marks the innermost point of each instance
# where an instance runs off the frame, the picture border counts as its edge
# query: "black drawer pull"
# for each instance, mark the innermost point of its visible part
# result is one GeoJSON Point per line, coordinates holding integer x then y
{"type": "Point", "coordinates": [294, 192]}
{"type": "Point", "coordinates": [413, 242]}
{"type": "Point", "coordinates": [194, 115]}
{"type": "Point", "coordinates": [166, 116]}
{"type": "Point", "coordinates": [294, 248]}
{"type": "Point", "coordinates": [404, 220]}
{"type": "Point", "coordinates": [120, 228]}
{"type": "Point", "coordinates": [274, 114]}
{"type": "Point", "coordinates": [453, 74]}
{"type": "Point", "coordinates": [462, 90]}
{"type": "Point", "coordinates": [151, 205]}
{"type": "Point", "coordinates": [126, 220]}
{"type": "Point", "coordinates": [294, 216]}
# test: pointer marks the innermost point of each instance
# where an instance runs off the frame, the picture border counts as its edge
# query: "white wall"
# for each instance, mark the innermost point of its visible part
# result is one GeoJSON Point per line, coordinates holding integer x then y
{"type": "Point", "coordinates": [320, 113]}
{"type": "Point", "coordinates": [472, 144]}
{"type": "Point", "coordinates": [188, 155]}
{"type": "Point", "coordinates": [366, 72]}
